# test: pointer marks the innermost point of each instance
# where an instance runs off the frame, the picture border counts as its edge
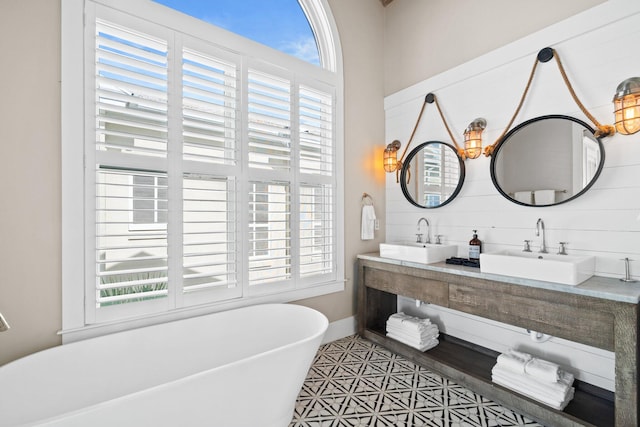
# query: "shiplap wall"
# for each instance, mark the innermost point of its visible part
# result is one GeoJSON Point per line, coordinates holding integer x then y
{"type": "Point", "coordinates": [598, 49]}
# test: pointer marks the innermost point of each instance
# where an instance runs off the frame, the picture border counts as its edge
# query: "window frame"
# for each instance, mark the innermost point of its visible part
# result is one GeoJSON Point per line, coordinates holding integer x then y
{"type": "Point", "coordinates": [77, 322]}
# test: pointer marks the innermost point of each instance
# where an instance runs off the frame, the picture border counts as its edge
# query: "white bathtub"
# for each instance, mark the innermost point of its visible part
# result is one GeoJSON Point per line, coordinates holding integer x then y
{"type": "Point", "coordinates": [242, 367]}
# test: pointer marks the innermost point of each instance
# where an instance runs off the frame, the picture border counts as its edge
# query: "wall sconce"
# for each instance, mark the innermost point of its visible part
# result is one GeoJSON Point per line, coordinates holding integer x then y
{"type": "Point", "coordinates": [473, 138]}
{"type": "Point", "coordinates": [390, 160]}
{"type": "Point", "coordinates": [627, 106]}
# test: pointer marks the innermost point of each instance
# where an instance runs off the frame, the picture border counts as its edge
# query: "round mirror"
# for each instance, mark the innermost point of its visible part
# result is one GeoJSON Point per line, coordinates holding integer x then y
{"type": "Point", "coordinates": [547, 161]}
{"type": "Point", "coordinates": [432, 174]}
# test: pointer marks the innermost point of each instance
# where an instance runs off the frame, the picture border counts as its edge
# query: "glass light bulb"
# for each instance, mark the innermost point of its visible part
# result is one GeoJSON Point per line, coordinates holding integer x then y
{"type": "Point", "coordinates": [627, 114]}
{"type": "Point", "coordinates": [473, 144]}
{"type": "Point", "coordinates": [390, 162]}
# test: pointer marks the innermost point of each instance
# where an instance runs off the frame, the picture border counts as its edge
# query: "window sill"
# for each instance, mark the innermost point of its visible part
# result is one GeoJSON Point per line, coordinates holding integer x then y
{"type": "Point", "coordinates": [92, 331]}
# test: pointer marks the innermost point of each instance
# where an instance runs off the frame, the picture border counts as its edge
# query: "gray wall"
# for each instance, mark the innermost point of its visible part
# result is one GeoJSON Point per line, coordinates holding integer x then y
{"type": "Point", "coordinates": [426, 37]}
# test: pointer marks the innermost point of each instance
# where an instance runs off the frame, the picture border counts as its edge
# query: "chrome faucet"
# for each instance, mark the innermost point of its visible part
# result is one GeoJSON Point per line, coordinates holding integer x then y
{"type": "Point", "coordinates": [540, 226]}
{"type": "Point", "coordinates": [419, 235]}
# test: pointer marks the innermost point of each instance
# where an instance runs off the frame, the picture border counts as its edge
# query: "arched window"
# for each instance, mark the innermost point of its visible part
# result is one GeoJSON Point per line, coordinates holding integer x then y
{"type": "Point", "coordinates": [280, 24]}
{"type": "Point", "coordinates": [211, 166]}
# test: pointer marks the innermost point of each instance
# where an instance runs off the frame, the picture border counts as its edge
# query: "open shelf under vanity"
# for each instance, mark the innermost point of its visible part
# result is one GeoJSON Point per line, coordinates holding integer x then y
{"type": "Point", "coordinates": [464, 362]}
{"type": "Point", "coordinates": [470, 365]}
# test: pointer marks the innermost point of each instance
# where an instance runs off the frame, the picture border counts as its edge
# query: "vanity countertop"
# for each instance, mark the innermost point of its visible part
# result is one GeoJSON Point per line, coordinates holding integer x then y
{"type": "Point", "coordinates": [597, 286]}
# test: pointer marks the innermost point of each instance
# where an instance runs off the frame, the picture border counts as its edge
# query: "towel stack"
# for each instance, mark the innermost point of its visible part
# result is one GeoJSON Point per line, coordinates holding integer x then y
{"type": "Point", "coordinates": [538, 379]}
{"type": "Point", "coordinates": [413, 331]}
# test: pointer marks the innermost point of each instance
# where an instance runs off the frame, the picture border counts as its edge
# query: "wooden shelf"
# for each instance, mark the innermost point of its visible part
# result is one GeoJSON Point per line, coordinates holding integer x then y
{"type": "Point", "coordinates": [469, 365]}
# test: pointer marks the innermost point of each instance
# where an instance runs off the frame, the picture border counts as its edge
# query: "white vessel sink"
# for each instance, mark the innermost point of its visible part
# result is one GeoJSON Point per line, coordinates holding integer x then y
{"type": "Point", "coordinates": [565, 269]}
{"type": "Point", "coordinates": [425, 253]}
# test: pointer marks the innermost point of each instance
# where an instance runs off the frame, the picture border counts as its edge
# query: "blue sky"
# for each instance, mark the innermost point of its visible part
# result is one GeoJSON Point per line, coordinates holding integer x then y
{"type": "Point", "coordinates": [280, 24]}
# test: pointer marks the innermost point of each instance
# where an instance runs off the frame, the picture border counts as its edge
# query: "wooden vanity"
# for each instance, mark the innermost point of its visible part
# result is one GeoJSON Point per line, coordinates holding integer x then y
{"type": "Point", "coordinates": [600, 312]}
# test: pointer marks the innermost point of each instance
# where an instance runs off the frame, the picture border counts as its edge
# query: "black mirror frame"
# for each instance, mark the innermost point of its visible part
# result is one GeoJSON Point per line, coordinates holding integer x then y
{"type": "Point", "coordinates": [407, 162]}
{"type": "Point", "coordinates": [528, 122]}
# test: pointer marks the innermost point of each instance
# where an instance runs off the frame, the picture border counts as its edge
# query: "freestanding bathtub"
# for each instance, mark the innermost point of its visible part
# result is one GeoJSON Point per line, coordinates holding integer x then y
{"type": "Point", "coordinates": [242, 367]}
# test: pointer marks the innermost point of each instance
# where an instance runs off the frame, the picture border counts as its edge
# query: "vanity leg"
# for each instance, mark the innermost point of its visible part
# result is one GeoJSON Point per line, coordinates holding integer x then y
{"type": "Point", "coordinates": [626, 349]}
{"type": "Point", "coordinates": [361, 307]}
{"type": "Point", "coordinates": [374, 306]}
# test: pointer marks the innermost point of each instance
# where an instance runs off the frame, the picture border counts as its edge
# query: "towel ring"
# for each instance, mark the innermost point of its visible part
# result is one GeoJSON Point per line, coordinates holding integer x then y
{"type": "Point", "coordinates": [366, 199]}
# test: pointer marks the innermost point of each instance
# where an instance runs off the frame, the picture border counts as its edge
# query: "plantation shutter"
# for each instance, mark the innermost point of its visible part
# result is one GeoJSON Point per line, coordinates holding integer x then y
{"type": "Point", "coordinates": [269, 152]}
{"type": "Point", "coordinates": [450, 172]}
{"type": "Point", "coordinates": [441, 170]}
{"type": "Point", "coordinates": [316, 157]}
{"type": "Point", "coordinates": [210, 176]}
{"type": "Point", "coordinates": [131, 255]}
{"type": "Point", "coordinates": [209, 185]}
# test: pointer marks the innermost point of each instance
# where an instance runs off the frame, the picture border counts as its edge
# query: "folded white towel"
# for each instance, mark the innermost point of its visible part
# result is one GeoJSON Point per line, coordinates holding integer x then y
{"type": "Point", "coordinates": [557, 390]}
{"type": "Point", "coordinates": [520, 354]}
{"type": "Point", "coordinates": [542, 398]}
{"type": "Point", "coordinates": [368, 222]}
{"type": "Point", "coordinates": [401, 316]}
{"type": "Point", "coordinates": [542, 370]}
{"type": "Point", "coordinates": [418, 338]}
{"type": "Point", "coordinates": [523, 196]}
{"type": "Point", "coordinates": [410, 341]}
{"type": "Point", "coordinates": [514, 360]}
{"type": "Point", "coordinates": [422, 347]}
{"type": "Point", "coordinates": [412, 324]}
{"type": "Point", "coordinates": [408, 322]}
{"type": "Point", "coordinates": [511, 363]}
{"type": "Point", "coordinates": [544, 197]}
{"type": "Point", "coordinates": [423, 332]}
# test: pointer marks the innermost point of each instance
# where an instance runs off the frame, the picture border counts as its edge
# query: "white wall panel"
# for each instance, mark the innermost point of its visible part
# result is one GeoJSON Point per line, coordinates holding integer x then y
{"type": "Point", "coordinates": [597, 48]}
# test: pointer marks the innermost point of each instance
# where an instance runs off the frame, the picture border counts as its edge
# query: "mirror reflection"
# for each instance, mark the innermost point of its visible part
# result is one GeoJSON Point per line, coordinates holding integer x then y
{"type": "Point", "coordinates": [432, 174]}
{"type": "Point", "coordinates": [547, 161]}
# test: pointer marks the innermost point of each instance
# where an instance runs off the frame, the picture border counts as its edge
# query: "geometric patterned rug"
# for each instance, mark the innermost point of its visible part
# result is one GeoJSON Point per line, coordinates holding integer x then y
{"type": "Point", "coordinates": [354, 382]}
